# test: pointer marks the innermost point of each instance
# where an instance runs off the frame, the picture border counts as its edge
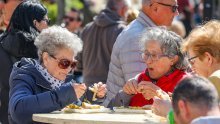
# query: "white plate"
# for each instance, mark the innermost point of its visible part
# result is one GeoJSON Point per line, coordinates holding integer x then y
{"type": "Point", "coordinates": [84, 111]}
{"type": "Point", "coordinates": [127, 110]}
{"type": "Point", "coordinates": [132, 110]}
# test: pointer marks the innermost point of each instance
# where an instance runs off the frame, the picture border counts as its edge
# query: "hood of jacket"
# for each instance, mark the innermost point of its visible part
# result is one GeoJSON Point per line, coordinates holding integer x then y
{"type": "Point", "coordinates": [27, 66]}
{"type": "Point", "coordinates": [107, 17]}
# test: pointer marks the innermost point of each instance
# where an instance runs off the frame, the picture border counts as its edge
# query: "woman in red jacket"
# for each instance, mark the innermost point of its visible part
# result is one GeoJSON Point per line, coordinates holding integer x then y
{"type": "Point", "coordinates": [166, 66]}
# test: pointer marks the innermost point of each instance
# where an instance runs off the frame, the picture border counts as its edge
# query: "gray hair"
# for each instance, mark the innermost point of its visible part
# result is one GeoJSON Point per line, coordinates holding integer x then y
{"type": "Point", "coordinates": [115, 5]}
{"type": "Point", "coordinates": [54, 38]}
{"type": "Point", "coordinates": [169, 41]}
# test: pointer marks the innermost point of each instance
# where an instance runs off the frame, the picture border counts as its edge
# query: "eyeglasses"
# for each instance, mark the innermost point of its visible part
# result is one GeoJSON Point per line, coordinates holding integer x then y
{"type": "Point", "coordinates": [47, 21]}
{"type": "Point", "coordinates": [65, 63]}
{"type": "Point", "coordinates": [191, 60]}
{"type": "Point", "coordinates": [173, 7]}
{"type": "Point", "coordinates": [71, 18]}
{"type": "Point", "coordinates": [153, 57]}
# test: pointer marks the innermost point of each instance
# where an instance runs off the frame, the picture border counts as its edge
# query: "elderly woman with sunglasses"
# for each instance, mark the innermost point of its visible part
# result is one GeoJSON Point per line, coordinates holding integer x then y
{"type": "Point", "coordinates": [203, 48]}
{"type": "Point", "coordinates": [165, 67]}
{"type": "Point", "coordinates": [38, 86]}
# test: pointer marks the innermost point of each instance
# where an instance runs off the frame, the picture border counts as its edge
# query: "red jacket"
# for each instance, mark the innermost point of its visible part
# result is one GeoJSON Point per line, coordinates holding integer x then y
{"type": "Point", "coordinates": [166, 83]}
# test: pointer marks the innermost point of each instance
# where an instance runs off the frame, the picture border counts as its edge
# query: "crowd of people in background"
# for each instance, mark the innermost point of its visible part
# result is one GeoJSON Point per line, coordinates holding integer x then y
{"type": "Point", "coordinates": [162, 54]}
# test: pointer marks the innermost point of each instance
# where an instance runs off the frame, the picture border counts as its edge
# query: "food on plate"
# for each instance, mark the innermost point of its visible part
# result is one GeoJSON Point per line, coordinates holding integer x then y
{"type": "Point", "coordinates": [90, 106]}
{"type": "Point", "coordinates": [135, 107]}
{"type": "Point", "coordinates": [73, 106]}
{"type": "Point", "coordinates": [146, 107]}
{"type": "Point", "coordinates": [84, 106]}
{"type": "Point", "coordinates": [132, 109]}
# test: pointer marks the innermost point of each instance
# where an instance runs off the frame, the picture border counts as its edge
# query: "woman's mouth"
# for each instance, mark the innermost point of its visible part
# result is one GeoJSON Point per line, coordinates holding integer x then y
{"type": "Point", "coordinates": [150, 69]}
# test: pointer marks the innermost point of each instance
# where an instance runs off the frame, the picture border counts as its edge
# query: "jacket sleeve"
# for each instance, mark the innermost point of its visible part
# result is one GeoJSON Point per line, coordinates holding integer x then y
{"type": "Point", "coordinates": [121, 99]}
{"type": "Point", "coordinates": [24, 102]}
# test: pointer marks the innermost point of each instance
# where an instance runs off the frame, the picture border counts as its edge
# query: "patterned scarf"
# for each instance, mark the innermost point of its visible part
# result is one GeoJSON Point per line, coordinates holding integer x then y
{"type": "Point", "coordinates": [54, 83]}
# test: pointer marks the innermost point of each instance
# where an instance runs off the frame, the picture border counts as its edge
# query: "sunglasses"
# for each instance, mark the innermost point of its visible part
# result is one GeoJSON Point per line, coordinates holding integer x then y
{"type": "Point", "coordinates": [173, 7]}
{"type": "Point", "coordinates": [71, 18]}
{"type": "Point", "coordinates": [65, 63]}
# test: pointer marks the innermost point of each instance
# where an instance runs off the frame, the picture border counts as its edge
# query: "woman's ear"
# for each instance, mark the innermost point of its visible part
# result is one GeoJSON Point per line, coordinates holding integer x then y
{"type": "Point", "coordinates": [45, 58]}
{"type": "Point", "coordinates": [174, 60]}
{"type": "Point", "coordinates": [35, 23]}
{"type": "Point", "coordinates": [208, 58]}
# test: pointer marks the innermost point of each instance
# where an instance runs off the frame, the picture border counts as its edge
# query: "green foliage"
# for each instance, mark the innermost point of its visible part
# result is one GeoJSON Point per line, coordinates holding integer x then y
{"type": "Point", "coordinates": [73, 3]}
{"type": "Point", "coordinates": [53, 7]}
{"type": "Point", "coordinates": [52, 10]}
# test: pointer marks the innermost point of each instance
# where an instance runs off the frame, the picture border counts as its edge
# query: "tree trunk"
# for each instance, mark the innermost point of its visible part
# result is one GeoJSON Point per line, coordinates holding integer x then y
{"type": "Point", "coordinates": [61, 11]}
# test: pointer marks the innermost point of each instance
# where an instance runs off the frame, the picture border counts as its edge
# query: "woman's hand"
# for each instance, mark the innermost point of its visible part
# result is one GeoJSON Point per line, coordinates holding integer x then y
{"type": "Point", "coordinates": [131, 87]}
{"type": "Point", "coordinates": [148, 89]}
{"type": "Point", "coordinates": [79, 89]}
{"type": "Point", "coordinates": [163, 95]}
{"type": "Point", "coordinates": [101, 90]}
{"type": "Point", "coordinates": [161, 107]}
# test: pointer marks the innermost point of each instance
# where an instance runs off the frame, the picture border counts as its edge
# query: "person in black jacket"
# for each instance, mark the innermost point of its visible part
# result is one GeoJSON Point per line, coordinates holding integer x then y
{"type": "Point", "coordinates": [28, 19]}
{"type": "Point", "coordinates": [5, 70]}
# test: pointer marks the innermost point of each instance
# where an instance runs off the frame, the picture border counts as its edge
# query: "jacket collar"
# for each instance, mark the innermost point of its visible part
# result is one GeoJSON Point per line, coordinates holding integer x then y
{"type": "Point", "coordinates": [215, 73]}
{"type": "Point", "coordinates": [26, 65]}
{"type": "Point", "coordinates": [145, 20]}
{"type": "Point", "coordinates": [40, 80]}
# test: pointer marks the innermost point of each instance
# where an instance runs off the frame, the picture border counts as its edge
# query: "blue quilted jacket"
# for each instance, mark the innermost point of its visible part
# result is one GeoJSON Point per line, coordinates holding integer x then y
{"type": "Point", "coordinates": [30, 93]}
